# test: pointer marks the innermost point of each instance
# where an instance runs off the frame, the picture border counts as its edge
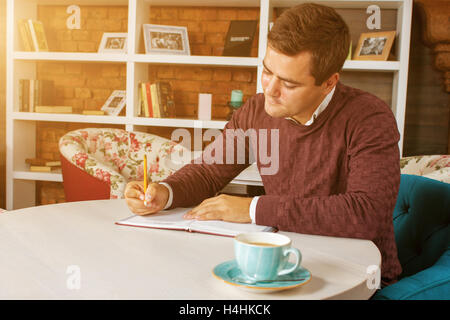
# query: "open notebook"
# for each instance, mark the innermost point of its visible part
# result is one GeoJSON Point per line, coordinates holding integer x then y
{"type": "Point", "coordinates": [173, 220]}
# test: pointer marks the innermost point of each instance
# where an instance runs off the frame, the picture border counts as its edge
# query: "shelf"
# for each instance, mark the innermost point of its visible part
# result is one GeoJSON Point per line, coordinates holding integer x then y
{"type": "Point", "coordinates": [39, 176]}
{"type": "Point", "coordinates": [352, 4]}
{"type": "Point", "coordinates": [140, 121]}
{"type": "Point", "coordinates": [196, 60]}
{"type": "Point", "coordinates": [377, 66]}
{"type": "Point", "coordinates": [139, 58]}
{"type": "Point", "coordinates": [196, 3]}
{"type": "Point", "coordinates": [203, 3]}
{"type": "Point", "coordinates": [183, 123]}
{"type": "Point", "coordinates": [81, 2]}
{"type": "Point", "coordinates": [71, 56]}
{"type": "Point", "coordinates": [68, 118]}
{"type": "Point", "coordinates": [383, 66]}
{"type": "Point", "coordinates": [57, 177]}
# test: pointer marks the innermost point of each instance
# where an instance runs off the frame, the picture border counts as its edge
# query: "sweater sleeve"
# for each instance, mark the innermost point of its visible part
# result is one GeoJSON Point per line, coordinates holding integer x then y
{"type": "Point", "coordinates": [371, 189]}
{"type": "Point", "coordinates": [198, 181]}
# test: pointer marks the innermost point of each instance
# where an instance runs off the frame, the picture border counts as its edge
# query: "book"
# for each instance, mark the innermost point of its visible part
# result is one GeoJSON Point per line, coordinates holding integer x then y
{"type": "Point", "coordinates": [165, 99]}
{"type": "Point", "coordinates": [154, 99]}
{"type": "Point", "coordinates": [239, 38]}
{"type": "Point", "coordinates": [44, 169]}
{"type": "Point", "coordinates": [53, 109]}
{"type": "Point", "coordinates": [38, 35]}
{"type": "Point", "coordinates": [25, 35]}
{"type": "Point", "coordinates": [21, 94]}
{"type": "Point", "coordinates": [36, 88]}
{"type": "Point", "coordinates": [31, 95]}
{"type": "Point", "coordinates": [149, 99]}
{"type": "Point", "coordinates": [42, 162]}
{"type": "Point", "coordinates": [144, 100]}
{"type": "Point", "coordinates": [93, 112]}
{"type": "Point", "coordinates": [173, 220]}
{"type": "Point", "coordinates": [25, 95]}
{"type": "Point", "coordinates": [158, 99]}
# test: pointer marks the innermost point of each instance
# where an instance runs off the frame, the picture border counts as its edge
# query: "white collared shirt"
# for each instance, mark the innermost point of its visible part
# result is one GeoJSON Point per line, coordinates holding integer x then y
{"type": "Point", "coordinates": [316, 113]}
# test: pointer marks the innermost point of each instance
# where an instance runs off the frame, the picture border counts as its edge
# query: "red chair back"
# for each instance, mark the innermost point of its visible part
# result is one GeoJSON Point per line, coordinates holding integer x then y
{"type": "Point", "coordinates": [81, 186]}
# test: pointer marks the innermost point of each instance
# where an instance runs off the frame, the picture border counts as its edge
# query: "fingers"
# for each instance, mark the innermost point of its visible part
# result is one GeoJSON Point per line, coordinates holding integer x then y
{"type": "Point", "coordinates": [134, 196]}
{"type": "Point", "coordinates": [205, 211]}
{"type": "Point", "coordinates": [135, 190]}
{"type": "Point", "coordinates": [223, 207]}
{"type": "Point", "coordinates": [156, 196]}
{"type": "Point", "coordinates": [150, 195]}
{"type": "Point", "coordinates": [137, 207]}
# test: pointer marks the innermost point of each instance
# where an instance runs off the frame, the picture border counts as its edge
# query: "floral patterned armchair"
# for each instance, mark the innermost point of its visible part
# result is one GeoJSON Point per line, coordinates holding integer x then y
{"type": "Point", "coordinates": [97, 163]}
{"type": "Point", "coordinates": [434, 166]}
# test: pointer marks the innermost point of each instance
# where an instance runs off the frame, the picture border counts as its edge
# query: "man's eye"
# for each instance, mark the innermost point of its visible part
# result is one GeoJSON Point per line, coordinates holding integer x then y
{"type": "Point", "coordinates": [289, 86]}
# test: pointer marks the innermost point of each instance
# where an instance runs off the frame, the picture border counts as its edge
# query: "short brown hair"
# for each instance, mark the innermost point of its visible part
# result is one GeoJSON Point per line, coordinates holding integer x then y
{"type": "Point", "coordinates": [314, 28]}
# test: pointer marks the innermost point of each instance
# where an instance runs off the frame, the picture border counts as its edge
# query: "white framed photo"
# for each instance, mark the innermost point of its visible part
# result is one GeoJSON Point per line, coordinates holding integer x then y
{"type": "Point", "coordinates": [115, 103]}
{"type": "Point", "coordinates": [113, 43]}
{"type": "Point", "coordinates": [161, 39]}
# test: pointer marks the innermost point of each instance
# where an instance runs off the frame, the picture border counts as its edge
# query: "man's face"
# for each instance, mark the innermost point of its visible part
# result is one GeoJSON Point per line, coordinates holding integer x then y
{"type": "Point", "coordinates": [289, 88]}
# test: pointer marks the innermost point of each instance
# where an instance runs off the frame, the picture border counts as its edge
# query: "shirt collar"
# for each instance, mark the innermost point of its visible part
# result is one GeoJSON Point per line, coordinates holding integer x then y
{"type": "Point", "coordinates": [318, 110]}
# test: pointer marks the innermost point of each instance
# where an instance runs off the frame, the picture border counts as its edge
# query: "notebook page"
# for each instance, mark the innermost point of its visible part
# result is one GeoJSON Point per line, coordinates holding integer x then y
{"type": "Point", "coordinates": [227, 228]}
{"type": "Point", "coordinates": [170, 219]}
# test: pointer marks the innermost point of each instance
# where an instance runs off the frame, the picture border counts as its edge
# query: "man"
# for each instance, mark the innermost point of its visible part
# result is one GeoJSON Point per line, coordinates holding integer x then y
{"type": "Point", "coordinates": [338, 171]}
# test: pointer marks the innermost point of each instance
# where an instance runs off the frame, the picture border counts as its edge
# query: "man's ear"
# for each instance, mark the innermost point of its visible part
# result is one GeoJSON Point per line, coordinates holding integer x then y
{"type": "Point", "coordinates": [329, 84]}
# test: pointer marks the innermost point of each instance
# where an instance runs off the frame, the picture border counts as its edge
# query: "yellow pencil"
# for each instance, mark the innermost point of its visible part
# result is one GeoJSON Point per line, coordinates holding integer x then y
{"type": "Point", "coordinates": [145, 173]}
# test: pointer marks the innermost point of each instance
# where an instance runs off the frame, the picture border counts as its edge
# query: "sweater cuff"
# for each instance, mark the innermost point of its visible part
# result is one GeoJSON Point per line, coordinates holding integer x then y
{"type": "Point", "coordinates": [177, 194]}
{"type": "Point", "coordinates": [267, 210]}
{"type": "Point", "coordinates": [170, 200]}
{"type": "Point", "coordinates": [253, 209]}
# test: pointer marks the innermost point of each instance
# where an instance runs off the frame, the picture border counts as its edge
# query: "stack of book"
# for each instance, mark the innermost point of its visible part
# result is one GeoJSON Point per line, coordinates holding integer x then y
{"type": "Point", "coordinates": [156, 100]}
{"type": "Point", "coordinates": [33, 35]}
{"type": "Point", "coordinates": [43, 165]}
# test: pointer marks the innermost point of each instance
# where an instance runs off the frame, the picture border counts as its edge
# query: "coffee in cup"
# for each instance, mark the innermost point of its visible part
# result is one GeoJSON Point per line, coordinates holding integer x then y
{"type": "Point", "coordinates": [264, 255]}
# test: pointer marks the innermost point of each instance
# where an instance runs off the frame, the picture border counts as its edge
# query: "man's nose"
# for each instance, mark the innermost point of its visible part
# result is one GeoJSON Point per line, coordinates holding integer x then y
{"type": "Point", "coordinates": [273, 87]}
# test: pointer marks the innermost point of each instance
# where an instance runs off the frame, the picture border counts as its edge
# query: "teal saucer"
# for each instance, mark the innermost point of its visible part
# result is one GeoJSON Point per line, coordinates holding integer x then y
{"type": "Point", "coordinates": [230, 273]}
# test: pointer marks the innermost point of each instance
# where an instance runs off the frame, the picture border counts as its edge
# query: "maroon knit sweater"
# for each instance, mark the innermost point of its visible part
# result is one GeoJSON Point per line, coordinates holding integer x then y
{"type": "Point", "coordinates": [337, 177]}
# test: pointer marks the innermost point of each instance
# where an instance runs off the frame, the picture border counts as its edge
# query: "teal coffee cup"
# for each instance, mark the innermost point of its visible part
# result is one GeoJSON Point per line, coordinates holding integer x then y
{"type": "Point", "coordinates": [265, 255]}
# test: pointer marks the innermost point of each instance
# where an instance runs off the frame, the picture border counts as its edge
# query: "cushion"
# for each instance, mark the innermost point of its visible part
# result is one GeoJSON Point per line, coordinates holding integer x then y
{"type": "Point", "coordinates": [421, 222]}
{"type": "Point", "coordinates": [430, 284]}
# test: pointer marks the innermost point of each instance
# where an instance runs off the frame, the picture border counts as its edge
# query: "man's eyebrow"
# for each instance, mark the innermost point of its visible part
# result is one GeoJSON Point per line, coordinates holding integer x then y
{"type": "Point", "coordinates": [281, 78]}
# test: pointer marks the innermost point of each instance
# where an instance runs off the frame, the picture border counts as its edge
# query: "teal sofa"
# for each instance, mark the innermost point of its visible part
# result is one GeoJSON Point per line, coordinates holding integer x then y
{"type": "Point", "coordinates": [422, 233]}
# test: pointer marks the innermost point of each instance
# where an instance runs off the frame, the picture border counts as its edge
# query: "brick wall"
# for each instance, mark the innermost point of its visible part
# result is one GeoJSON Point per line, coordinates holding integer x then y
{"type": "Point", "coordinates": [86, 86]}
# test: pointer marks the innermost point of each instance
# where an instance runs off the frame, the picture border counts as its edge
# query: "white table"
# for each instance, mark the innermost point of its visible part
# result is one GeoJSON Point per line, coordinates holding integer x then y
{"type": "Point", "coordinates": [39, 244]}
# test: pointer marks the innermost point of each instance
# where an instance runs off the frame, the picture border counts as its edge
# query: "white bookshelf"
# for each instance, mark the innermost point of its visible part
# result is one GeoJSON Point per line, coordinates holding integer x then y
{"type": "Point", "coordinates": [21, 126]}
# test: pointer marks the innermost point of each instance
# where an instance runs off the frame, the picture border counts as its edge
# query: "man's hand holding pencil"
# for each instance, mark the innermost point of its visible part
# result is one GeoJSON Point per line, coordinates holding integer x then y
{"type": "Point", "coordinates": [143, 199]}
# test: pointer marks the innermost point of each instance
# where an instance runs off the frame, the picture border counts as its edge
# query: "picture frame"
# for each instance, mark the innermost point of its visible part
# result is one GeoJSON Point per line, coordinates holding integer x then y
{"type": "Point", "coordinates": [162, 39]}
{"type": "Point", "coordinates": [113, 42]}
{"type": "Point", "coordinates": [115, 103]}
{"type": "Point", "coordinates": [374, 45]}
